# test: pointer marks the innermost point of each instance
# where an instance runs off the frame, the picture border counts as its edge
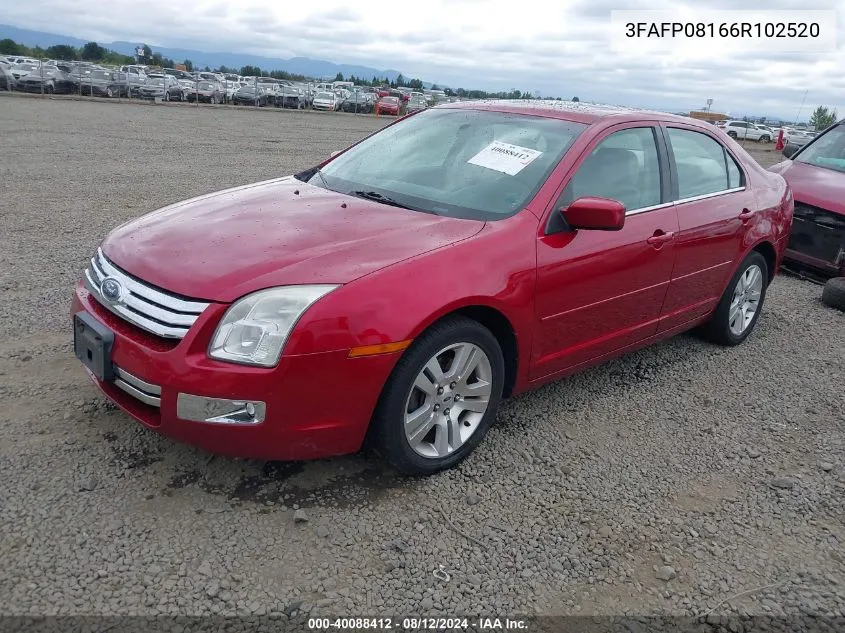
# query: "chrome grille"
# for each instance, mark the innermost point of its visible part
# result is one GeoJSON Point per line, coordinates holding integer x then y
{"type": "Point", "coordinates": [149, 308]}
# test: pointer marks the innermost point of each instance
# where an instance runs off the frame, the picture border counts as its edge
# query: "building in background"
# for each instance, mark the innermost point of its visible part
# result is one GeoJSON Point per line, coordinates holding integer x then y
{"type": "Point", "coordinates": [710, 117]}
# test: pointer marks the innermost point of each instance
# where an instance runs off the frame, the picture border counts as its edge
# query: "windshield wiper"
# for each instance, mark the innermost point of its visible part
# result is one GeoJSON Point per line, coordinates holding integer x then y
{"type": "Point", "coordinates": [377, 197]}
{"type": "Point", "coordinates": [319, 172]}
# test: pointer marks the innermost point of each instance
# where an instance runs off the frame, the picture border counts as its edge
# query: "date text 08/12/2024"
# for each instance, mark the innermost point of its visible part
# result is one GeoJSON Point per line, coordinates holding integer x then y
{"type": "Point", "coordinates": [417, 624]}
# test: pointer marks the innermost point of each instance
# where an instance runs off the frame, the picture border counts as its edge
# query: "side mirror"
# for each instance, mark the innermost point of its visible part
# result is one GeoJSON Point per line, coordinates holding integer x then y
{"type": "Point", "coordinates": [595, 214]}
{"type": "Point", "coordinates": [789, 149]}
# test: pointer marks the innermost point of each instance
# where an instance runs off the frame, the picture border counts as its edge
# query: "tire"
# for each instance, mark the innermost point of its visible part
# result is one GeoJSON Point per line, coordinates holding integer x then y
{"type": "Point", "coordinates": [765, 138]}
{"type": "Point", "coordinates": [719, 329]}
{"type": "Point", "coordinates": [732, 135]}
{"type": "Point", "coordinates": [48, 89]}
{"type": "Point", "coordinates": [435, 448]}
{"type": "Point", "coordinates": [167, 96]}
{"type": "Point", "coordinates": [833, 294]}
{"type": "Point", "coordinates": [109, 93]}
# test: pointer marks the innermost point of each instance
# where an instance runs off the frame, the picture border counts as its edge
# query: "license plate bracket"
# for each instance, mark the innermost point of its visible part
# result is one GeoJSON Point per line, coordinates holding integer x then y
{"type": "Point", "coordinates": [92, 345]}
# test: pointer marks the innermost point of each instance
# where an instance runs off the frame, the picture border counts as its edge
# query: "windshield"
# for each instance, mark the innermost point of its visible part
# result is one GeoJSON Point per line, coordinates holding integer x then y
{"type": "Point", "coordinates": [324, 95]}
{"type": "Point", "coordinates": [155, 82]}
{"type": "Point", "coordinates": [458, 163]}
{"type": "Point", "coordinates": [101, 74]}
{"type": "Point", "coordinates": [206, 85]}
{"type": "Point", "coordinates": [826, 151]}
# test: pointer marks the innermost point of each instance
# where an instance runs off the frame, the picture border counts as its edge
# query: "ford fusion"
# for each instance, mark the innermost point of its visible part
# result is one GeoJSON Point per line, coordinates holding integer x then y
{"type": "Point", "coordinates": [394, 294]}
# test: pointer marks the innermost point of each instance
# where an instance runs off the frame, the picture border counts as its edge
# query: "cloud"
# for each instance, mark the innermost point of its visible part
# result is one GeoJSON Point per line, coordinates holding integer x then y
{"type": "Point", "coordinates": [555, 48]}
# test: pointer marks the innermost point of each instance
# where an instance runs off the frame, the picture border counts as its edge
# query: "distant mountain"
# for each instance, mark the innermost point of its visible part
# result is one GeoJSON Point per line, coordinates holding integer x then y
{"type": "Point", "coordinates": [316, 68]}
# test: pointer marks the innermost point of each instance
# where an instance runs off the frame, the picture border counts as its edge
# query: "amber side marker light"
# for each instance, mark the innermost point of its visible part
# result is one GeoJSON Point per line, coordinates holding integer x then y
{"type": "Point", "coordinates": [383, 348]}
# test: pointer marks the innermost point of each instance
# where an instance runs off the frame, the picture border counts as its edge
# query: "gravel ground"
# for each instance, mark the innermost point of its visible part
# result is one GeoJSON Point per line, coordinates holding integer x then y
{"type": "Point", "coordinates": [661, 483]}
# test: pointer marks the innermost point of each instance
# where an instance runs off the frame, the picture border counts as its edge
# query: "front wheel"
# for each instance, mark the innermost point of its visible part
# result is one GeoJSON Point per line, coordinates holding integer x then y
{"type": "Point", "coordinates": [440, 399]}
{"type": "Point", "coordinates": [765, 139]}
{"type": "Point", "coordinates": [740, 306]}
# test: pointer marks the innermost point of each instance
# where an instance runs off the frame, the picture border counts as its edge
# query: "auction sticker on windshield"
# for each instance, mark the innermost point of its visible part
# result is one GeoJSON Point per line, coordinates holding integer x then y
{"type": "Point", "coordinates": [504, 157]}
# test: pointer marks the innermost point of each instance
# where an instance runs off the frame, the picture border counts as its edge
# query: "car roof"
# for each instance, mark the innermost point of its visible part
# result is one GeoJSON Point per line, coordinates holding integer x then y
{"type": "Point", "coordinates": [577, 111]}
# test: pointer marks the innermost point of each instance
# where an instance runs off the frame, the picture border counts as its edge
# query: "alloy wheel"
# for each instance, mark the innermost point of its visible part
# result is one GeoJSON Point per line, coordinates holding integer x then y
{"type": "Point", "coordinates": [746, 299]}
{"type": "Point", "coordinates": [448, 400]}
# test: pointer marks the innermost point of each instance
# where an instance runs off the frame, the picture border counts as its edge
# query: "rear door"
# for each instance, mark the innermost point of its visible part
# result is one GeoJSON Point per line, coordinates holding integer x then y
{"type": "Point", "coordinates": [715, 212]}
{"type": "Point", "coordinates": [599, 291]}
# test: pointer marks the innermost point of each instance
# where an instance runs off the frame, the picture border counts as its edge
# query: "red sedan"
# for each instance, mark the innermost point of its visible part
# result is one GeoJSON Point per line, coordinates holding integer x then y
{"type": "Point", "coordinates": [388, 105]}
{"type": "Point", "coordinates": [503, 245]}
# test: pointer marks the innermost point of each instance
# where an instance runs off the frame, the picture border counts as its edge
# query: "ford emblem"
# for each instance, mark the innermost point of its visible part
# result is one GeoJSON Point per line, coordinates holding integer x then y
{"type": "Point", "coordinates": [111, 289]}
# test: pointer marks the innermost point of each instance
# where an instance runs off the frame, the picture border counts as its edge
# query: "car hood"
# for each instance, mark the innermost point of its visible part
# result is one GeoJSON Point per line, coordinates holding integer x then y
{"type": "Point", "coordinates": [224, 245]}
{"type": "Point", "coordinates": [816, 186]}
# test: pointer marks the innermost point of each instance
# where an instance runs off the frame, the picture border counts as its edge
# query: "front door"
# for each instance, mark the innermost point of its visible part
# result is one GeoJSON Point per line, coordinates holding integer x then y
{"type": "Point", "coordinates": [600, 291]}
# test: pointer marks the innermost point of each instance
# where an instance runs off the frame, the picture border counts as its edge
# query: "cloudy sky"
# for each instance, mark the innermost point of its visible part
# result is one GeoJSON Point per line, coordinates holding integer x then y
{"type": "Point", "coordinates": [560, 48]}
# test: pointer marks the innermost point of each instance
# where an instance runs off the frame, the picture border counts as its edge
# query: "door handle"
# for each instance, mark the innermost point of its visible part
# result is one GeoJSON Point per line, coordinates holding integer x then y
{"type": "Point", "coordinates": [661, 237]}
{"type": "Point", "coordinates": [746, 215]}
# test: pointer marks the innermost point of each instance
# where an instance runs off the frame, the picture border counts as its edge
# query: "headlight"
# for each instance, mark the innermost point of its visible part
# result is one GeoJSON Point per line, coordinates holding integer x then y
{"type": "Point", "coordinates": [254, 329]}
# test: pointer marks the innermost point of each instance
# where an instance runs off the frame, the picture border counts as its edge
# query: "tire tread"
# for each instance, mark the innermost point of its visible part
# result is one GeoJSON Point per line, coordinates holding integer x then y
{"type": "Point", "coordinates": [383, 436]}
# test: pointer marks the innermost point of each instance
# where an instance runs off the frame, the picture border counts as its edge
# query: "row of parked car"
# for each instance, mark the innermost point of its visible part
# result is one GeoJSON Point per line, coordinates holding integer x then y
{"type": "Point", "coordinates": [171, 84]}
{"type": "Point", "coordinates": [745, 130]}
{"type": "Point", "coordinates": [333, 98]}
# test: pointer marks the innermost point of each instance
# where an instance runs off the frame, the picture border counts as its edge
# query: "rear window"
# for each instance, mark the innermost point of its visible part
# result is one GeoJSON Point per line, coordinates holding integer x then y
{"type": "Point", "coordinates": [703, 164]}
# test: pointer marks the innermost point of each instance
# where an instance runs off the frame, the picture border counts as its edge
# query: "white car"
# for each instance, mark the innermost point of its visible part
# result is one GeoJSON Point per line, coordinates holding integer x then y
{"type": "Point", "coordinates": [24, 60]}
{"type": "Point", "coordinates": [792, 136]}
{"type": "Point", "coordinates": [325, 101]}
{"type": "Point", "coordinates": [744, 130]}
{"type": "Point", "coordinates": [768, 130]}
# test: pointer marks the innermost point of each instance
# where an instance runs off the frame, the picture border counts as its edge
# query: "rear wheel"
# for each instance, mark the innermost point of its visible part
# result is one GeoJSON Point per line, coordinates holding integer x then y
{"type": "Point", "coordinates": [765, 138]}
{"type": "Point", "coordinates": [740, 306]}
{"type": "Point", "coordinates": [732, 135]}
{"type": "Point", "coordinates": [441, 398]}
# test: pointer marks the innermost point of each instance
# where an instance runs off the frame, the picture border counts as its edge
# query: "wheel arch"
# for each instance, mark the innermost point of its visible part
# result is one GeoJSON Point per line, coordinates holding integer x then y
{"type": "Point", "coordinates": [767, 250]}
{"type": "Point", "coordinates": [494, 320]}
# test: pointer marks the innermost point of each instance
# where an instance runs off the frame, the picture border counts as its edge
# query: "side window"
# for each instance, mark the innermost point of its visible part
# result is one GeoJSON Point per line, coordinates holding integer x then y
{"type": "Point", "coordinates": [734, 172]}
{"type": "Point", "coordinates": [624, 167]}
{"type": "Point", "coordinates": [702, 164]}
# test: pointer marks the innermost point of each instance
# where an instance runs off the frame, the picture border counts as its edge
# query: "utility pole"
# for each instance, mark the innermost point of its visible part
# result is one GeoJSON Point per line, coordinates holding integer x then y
{"type": "Point", "coordinates": [798, 116]}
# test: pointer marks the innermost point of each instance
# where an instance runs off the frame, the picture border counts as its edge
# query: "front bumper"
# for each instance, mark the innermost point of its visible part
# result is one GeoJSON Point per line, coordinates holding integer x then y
{"type": "Point", "coordinates": [315, 405]}
{"type": "Point", "coordinates": [817, 240]}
